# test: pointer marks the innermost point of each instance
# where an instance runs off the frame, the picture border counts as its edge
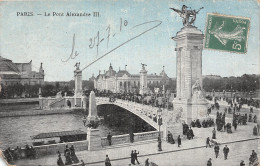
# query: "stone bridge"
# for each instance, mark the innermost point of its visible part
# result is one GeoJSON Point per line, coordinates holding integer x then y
{"type": "Point", "coordinates": [145, 112]}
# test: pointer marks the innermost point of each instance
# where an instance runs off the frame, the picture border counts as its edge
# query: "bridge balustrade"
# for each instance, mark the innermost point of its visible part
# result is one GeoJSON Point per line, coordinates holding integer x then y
{"type": "Point", "coordinates": [125, 138]}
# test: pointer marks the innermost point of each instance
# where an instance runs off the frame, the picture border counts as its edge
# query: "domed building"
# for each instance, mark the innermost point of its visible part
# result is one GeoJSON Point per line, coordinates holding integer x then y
{"type": "Point", "coordinates": [123, 81]}
{"type": "Point", "coordinates": [14, 73]}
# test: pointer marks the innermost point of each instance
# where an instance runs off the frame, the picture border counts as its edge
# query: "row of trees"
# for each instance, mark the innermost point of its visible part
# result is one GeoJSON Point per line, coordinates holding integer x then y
{"type": "Point", "coordinates": [245, 83]}
{"type": "Point", "coordinates": [48, 89]}
{"type": "Point", "coordinates": [19, 90]}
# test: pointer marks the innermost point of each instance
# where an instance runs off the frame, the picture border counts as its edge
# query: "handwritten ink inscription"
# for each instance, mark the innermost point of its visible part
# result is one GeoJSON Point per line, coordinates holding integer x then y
{"type": "Point", "coordinates": [94, 42]}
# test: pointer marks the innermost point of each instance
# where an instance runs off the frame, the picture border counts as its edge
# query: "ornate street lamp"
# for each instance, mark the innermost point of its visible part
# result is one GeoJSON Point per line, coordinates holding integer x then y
{"type": "Point", "coordinates": [159, 114]}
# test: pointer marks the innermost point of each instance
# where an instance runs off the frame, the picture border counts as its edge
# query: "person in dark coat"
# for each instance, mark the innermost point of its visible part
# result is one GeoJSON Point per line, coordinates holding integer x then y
{"type": "Point", "coordinates": [255, 119]}
{"type": "Point", "coordinates": [170, 138]}
{"type": "Point", "coordinates": [208, 143]}
{"type": "Point", "coordinates": [216, 149]}
{"type": "Point", "coordinates": [192, 123]}
{"type": "Point", "coordinates": [225, 151]}
{"type": "Point", "coordinates": [67, 156]}
{"type": "Point", "coordinates": [242, 163]}
{"type": "Point", "coordinates": [209, 163]}
{"type": "Point", "coordinates": [179, 140]}
{"type": "Point", "coordinates": [74, 158]}
{"type": "Point", "coordinates": [214, 134]}
{"type": "Point", "coordinates": [255, 131]}
{"type": "Point", "coordinates": [107, 161]}
{"type": "Point", "coordinates": [131, 137]}
{"type": "Point", "coordinates": [27, 151]}
{"type": "Point", "coordinates": [82, 163]}
{"type": "Point", "coordinates": [185, 128]}
{"type": "Point", "coordinates": [109, 138]}
{"type": "Point", "coordinates": [135, 157]}
{"type": "Point", "coordinates": [147, 162]}
{"type": "Point", "coordinates": [33, 153]}
{"type": "Point", "coordinates": [132, 158]}
{"type": "Point", "coordinates": [235, 124]}
{"type": "Point", "coordinates": [191, 132]}
{"type": "Point", "coordinates": [59, 161]}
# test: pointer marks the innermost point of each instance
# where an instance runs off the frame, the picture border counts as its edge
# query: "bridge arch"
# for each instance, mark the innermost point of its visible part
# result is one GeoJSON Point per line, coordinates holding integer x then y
{"type": "Point", "coordinates": [143, 111]}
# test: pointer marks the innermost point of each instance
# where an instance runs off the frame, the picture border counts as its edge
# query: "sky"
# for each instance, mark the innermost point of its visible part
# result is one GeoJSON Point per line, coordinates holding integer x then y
{"type": "Point", "coordinates": [143, 30]}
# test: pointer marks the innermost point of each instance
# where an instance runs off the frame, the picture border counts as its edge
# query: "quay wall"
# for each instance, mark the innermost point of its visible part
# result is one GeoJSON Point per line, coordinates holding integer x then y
{"type": "Point", "coordinates": [36, 112]}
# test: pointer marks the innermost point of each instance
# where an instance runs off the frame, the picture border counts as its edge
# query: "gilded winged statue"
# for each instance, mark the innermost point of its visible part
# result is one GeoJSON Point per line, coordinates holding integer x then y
{"type": "Point", "coordinates": [187, 14]}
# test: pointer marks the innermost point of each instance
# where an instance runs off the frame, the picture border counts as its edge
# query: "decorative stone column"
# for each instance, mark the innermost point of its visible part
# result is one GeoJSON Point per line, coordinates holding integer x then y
{"type": "Point", "coordinates": [93, 135]}
{"type": "Point", "coordinates": [78, 83]}
{"type": "Point", "coordinates": [84, 100]}
{"type": "Point", "coordinates": [143, 80]}
{"type": "Point", "coordinates": [92, 110]}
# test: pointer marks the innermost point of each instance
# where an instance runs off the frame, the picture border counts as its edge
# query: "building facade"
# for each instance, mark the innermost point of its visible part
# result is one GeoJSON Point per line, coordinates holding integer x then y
{"type": "Point", "coordinates": [19, 73]}
{"type": "Point", "coordinates": [123, 81]}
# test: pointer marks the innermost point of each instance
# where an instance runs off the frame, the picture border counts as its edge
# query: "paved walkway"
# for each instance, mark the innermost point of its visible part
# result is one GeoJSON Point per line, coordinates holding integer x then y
{"type": "Point", "coordinates": [148, 149]}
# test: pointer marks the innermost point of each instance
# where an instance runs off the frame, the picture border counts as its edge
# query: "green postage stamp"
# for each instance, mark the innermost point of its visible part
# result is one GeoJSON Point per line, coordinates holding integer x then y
{"type": "Point", "coordinates": [227, 33]}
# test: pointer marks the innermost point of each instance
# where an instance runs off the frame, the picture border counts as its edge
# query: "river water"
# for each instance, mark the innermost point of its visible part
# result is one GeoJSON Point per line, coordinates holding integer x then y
{"type": "Point", "coordinates": [17, 131]}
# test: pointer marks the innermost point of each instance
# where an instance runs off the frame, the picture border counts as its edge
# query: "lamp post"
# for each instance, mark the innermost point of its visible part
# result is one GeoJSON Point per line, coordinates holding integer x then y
{"type": "Point", "coordinates": [159, 114]}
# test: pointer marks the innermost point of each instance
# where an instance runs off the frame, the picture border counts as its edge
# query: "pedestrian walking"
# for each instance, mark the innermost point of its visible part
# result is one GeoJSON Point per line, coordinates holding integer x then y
{"type": "Point", "coordinates": [135, 157]}
{"type": "Point", "coordinates": [235, 125]}
{"type": "Point", "coordinates": [132, 158]}
{"type": "Point", "coordinates": [84, 120]}
{"type": "Point", "coordinates": [214, 134]}
{"type": "Point", "coordinates": [216, 149]}
{"type": "Point", "coordinates": [73, 155]}
{"type": "Point", "coordinates": [131, 134]}
{"type": "Point", "coordinates": [208, 143]}
{"type": "Point", "coordinates": [67, 155]}
{"type": "Point", "coordinates": [179, 140]}
{"type": "Point", "coordinates": [147, 162]}
{"type": "Point", "coordinates": [107, 161]}
{"type": "Point", "coordinates": [225, 151]}
{"type": "Point", "coordinates": [59, 161]}
{"type": "Point", "coordinates": [209, 163]}
{"type": "Point", "coordinates": [109, 138]}
{"type": "Point", "coordinates": [255, 131]}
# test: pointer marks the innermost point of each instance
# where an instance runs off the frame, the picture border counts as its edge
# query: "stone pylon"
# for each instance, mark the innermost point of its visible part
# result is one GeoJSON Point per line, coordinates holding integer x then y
{"type": "Point", "coordinates": [93, 136]}
{"type": "Point", "coordinates": [189, 102]}
{"type": "Point", "coordinates": [143, 80]}
{"type": "Point", "coordinates": [92, 111]}
{"type": "Point", "coordinates": [78, 83]}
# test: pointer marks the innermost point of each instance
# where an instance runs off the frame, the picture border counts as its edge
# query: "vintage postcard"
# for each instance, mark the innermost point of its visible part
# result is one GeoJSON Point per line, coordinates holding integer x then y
{"type": "Point", "coordinates": [133, 82]}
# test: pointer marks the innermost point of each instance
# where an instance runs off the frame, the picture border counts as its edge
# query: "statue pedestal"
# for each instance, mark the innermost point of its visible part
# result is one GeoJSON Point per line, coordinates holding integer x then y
{"type": "Point", "coordinates": [176, 130]}
{"type": "Point", "coordinates": [94, 139]}
{"type": "Point", "coordinates": [192, 109]}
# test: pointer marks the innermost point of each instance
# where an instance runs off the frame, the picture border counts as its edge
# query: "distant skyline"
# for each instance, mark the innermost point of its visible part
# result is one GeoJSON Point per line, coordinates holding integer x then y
{"type": "Point", "coordinates": [49, 39]}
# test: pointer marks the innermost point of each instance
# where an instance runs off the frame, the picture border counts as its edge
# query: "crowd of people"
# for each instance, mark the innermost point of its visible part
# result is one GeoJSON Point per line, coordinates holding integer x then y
{"type": "Point", "coordinates": [70, 156]}
{"type": "Point", "coordinates": [205, 123]}
{"type": "Point", "coordinates": [187, 131]}
{"type": "Point", "coordinates": [18, 153]}
{"type": "Point", "coordinates": [221, 123]}
{"type": "Point", "coordinates": [154, 100]}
